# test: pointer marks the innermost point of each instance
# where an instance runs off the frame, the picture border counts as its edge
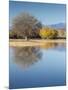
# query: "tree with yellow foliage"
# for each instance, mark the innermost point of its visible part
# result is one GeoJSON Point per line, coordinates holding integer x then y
{"type": "Point", "coordinates": [48, 33]}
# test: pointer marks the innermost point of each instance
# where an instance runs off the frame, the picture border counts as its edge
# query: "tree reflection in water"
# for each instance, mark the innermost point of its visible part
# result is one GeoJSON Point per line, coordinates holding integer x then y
{"type": "Point", "coordinates": [26, 56]}
{"type": "Point", "coordinates": [54, 45]}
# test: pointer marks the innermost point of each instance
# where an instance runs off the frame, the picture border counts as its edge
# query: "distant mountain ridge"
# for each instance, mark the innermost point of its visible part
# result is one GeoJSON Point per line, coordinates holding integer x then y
{"type": "Point", "coordinates": [58, 26]}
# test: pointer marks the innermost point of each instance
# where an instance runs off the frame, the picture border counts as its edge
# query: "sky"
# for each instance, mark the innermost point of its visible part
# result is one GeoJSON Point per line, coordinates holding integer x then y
{"type": "Point", "coordinates": [46, 13]}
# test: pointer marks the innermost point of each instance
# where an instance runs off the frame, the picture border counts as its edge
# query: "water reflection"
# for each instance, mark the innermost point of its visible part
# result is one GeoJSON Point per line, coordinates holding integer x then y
{"type": "Point", "coordinates": [26, 56]}
{"type": "Point", "coordinates": [37, 66]}
{"type": "Point", "coordinates": [55, 46]}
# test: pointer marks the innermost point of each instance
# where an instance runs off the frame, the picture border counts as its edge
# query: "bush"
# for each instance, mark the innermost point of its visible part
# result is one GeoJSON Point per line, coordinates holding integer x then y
{"type": "Point", "coordinates": [48, 33]}
{"type": "Point", "coordinates": [14, 35]}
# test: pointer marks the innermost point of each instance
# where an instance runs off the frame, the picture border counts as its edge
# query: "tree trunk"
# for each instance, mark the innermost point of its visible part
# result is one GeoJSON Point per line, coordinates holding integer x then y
{"type": "Point", "coordinates": [26, 38]}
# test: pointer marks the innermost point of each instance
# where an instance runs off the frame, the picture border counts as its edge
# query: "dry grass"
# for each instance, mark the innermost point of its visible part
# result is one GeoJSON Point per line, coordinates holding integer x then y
{"type": "Point", "coordinates": [31, 42]}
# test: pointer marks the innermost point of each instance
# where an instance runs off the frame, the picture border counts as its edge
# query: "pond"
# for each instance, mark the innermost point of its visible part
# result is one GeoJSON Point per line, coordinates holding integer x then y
{"type": "Point", "coordinates": [39, 66]}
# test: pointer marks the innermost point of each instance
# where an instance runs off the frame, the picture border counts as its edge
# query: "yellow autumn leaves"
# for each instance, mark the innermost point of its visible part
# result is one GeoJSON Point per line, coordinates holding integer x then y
{"type": "Point", "coordinates": [48, 33]}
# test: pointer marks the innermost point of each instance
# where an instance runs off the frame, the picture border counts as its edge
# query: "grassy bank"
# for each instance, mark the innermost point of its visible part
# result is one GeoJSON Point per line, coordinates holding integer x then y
{"type": "Point", "coordinates": [35, 42]}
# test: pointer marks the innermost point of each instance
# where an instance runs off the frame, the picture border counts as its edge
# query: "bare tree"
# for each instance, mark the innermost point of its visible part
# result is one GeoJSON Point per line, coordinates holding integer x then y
{"type": "Point", "coordinates": [26, 25]}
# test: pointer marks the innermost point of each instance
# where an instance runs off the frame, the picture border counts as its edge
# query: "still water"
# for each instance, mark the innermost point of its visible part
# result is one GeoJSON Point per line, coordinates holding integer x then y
{"type": "Point", "coordinates": [39, 66]}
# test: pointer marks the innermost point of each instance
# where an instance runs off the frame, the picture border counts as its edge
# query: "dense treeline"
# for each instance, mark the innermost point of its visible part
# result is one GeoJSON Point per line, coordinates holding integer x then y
{"type": "Point", "coordinates": [26, 26]}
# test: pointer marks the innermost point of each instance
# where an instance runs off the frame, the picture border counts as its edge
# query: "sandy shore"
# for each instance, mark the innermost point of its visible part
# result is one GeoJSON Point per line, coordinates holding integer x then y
{"type": "Point", "coordinates": [22, 42]}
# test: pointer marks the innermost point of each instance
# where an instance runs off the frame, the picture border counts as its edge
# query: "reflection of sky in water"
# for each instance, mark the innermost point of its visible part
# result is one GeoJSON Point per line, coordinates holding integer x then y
{"type": "Point", "coordinates": [46, 67]}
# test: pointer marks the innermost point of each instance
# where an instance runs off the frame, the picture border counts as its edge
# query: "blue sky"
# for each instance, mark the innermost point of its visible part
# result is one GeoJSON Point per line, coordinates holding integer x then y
{"type": "Point", "coordinates": [46, 13]}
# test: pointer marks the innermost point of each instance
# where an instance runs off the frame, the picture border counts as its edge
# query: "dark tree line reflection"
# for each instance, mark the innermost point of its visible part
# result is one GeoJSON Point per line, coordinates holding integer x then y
{"type": "Point", "coordinates": [27, 56]}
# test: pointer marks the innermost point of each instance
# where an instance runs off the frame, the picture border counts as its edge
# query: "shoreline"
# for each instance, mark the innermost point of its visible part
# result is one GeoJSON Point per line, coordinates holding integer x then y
{"type": "Point", "coordinates": [33, 42]}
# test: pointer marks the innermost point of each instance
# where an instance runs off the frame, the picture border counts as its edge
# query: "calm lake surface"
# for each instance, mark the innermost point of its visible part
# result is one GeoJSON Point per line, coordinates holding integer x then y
{"type": "Point", "coordinates": [39, 66]}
